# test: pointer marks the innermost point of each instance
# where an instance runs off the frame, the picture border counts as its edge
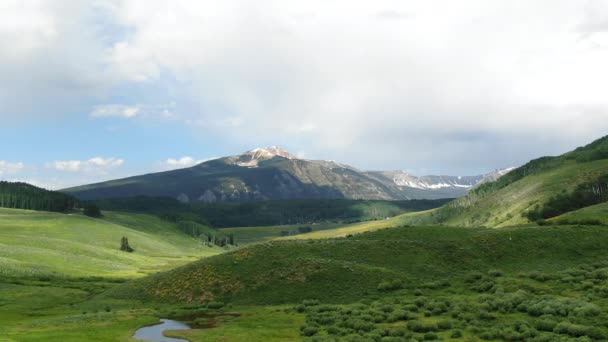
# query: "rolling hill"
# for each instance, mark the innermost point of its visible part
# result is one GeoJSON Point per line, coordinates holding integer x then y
{"type": "Point", "coordinates": [343, 269]}
{"type": "Point", "coordinates": [510, 199]}
{"type": "Point", "coordinates": [41, 244]}
{"type": "Point", "coordinates": [274, 174]}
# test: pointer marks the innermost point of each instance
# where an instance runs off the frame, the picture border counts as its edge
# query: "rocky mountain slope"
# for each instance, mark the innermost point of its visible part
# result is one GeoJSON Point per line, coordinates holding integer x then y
{"type": "Point", "coordinates": [274, 173]}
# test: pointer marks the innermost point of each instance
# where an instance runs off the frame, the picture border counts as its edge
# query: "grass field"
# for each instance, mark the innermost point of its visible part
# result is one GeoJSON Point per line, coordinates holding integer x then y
{"type": "Point", "coordinates": [42, 244]}
{"type": "Point", "coordinates": [521, 283]}
{"type": "Point", "coordinates": [250, 235]}
{"type": "Point", "coordinates": [358, 282]}
{"type": "Point", "coordinates": [52, 266]}
{"type": "Point", "coordinates": [361, 227]}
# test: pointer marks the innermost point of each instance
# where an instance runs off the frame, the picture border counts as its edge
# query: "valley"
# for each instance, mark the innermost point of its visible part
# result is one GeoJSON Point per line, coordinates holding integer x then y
{"type": "Point", "coordinates": [303, 171]}
{"type": "Point", "coordinates": [518, 258]}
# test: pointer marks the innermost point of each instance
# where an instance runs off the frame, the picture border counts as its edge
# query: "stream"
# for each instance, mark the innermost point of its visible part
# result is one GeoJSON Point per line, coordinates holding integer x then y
{"type": "Point", "coordinates": [154, 333]}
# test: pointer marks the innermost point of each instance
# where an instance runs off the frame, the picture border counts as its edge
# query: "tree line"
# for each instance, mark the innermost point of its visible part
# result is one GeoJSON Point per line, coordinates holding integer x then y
{"type": "Point", "coordinates": [17, 195]}
{"type": "Point", "coordinates": [584, 195]}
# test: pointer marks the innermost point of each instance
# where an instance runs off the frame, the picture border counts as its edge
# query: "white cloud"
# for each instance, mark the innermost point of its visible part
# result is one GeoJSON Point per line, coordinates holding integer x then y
{"type": "Point", "coordinates": [9, 168]}
{"type": "Point", "coordinates": [369, 82]}
{"type": "Point", "coordinates": [433, 84]}
{"type": "Point", "coordinates": [180, 163]}
{"type": "Point", "coordinates": [110, 110]}
{"type": "Point", "coordinates": [93, 165]}
{"type": "Point", "coordinates": [66, 165]}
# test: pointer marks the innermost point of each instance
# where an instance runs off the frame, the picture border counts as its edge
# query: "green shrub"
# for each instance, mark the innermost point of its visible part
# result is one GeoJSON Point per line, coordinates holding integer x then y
{"type": "Point", "coordinates": [456, 334]}
{"type": "Point", "coordinates": [310, 302]}
{"type": "Point", "coordinates": [545, 325]}
{"type": "Point", "coordinates": [444, 325]}
{"type": "Point", "coordinates": [577, 330]}
{"type": "Point", "coordinates": [494, 273]}
{"type": "Point", "coordinates": [422, 327]}
{"type": "Point", "coordinates": [215, 305]}
{"type": "Point", "coordinates": [473, 277]}
{"type": "Point", "coordinates": [430, 336]}
{"type": "Point", "coordinates": [392, 285]}
{"type": "Point", "coordinates": [309, 331]}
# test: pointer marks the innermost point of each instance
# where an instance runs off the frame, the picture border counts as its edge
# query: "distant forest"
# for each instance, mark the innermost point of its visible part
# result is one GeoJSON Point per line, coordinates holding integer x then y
{"type": "Point", "coordinates": [267, 213]}
{"type": "Point", "coordinates": [26, 196]}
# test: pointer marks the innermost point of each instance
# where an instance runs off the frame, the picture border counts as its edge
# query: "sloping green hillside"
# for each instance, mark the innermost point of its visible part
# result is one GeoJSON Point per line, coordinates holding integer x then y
{"type": "Point", "coordinates": [43, 243]}
{"type": "Point", "coordinates": [503, 202]}
{"type": "Point", "coordinates": [595, 214]}
{"type": "Point", "coordinates": [346, 269]}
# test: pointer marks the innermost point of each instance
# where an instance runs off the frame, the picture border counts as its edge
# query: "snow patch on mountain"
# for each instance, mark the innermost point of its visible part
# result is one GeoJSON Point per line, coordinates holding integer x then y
{"type": "Point", "coordinates": [404, 179]}
{"type": "Point", "coordinates": [253, 157]}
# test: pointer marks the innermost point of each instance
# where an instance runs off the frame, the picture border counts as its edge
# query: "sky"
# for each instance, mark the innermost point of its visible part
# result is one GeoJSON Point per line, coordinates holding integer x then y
{"type": "Point", "coordinates": [103, 89]}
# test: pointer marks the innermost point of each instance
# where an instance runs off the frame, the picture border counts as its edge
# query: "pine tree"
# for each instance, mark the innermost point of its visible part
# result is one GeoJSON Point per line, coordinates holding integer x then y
{"type": "Point", "coordinates": [124, 245]}
{"type": "Point", "coordinates": [92, 210]}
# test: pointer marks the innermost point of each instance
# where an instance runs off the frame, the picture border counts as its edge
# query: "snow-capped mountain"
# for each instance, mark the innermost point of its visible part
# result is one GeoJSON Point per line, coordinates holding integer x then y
{"type": "Point", "coordinates": [253, 157]}
{"type": "Point", "coordinates": [274, 173]}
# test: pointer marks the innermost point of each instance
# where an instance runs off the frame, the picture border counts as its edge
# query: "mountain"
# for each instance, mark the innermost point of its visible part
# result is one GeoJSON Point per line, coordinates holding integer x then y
{"type": "Point", "coordinates": [541, 189]}
{"type": "Point", "coordinates": [273, 173]}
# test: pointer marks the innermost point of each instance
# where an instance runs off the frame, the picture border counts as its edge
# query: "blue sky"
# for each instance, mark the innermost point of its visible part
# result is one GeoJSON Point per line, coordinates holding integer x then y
{"type": "Point", "coordinates": [110, 88]}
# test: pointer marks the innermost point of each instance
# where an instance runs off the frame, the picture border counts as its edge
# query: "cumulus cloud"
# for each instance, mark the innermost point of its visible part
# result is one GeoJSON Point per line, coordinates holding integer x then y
{"type": "Point", "coordinates": [9, 168]}
{"type": "Point", "coordinates": [57, 53]}
{"type": "Point", "coordinates": [348, 84]}
{"type": "Point", "coordinates": [448, 86]}
{"type": "Point", "coordinates": [180, 163]}
{"type": "Point", "coordinates": [110, 110]}
{"type": "Point", "coordinates": [93, 165]}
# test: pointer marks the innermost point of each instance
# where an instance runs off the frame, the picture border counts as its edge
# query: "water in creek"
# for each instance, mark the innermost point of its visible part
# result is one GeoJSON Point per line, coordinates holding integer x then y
{"type": "Point", "coordinates": [154, 333]}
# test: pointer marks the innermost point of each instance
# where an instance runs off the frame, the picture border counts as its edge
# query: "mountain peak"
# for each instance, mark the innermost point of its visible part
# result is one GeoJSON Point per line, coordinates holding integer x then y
{"type": "Point", "coordinates": [271, 151]}
{"type": "Point", "coordinates": [251, 158]}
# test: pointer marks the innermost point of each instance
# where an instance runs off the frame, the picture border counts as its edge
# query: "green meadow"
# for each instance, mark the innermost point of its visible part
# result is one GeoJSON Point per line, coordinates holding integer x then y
{"type": "Point", "coordinates": [479, 268]}
{"type": "Point", "coordinates": [53, 244]}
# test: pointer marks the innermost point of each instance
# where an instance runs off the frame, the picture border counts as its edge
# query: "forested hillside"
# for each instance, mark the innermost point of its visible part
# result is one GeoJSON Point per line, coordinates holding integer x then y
{"type": "Point", "coordinates": [26, 196]}
{"type": "Point", "coordinates": [541, 189]}
{"type": "Point", "coordinates": [266, 213]}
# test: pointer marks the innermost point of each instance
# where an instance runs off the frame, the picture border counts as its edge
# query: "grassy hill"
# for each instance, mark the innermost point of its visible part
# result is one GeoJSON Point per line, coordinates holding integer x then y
{"type": "Point", "coordinates": [52, 244]}
{"type": "Point", "coordinates": [346, 268]}
{"type": "Point", "coordinates": [53, 265]}
{"type": "Point", "coordinates": [502, 203]}
{"type": "Point", "coordinates": [595, 214]}
{"type": "Point", "coordinates": [521, 283]}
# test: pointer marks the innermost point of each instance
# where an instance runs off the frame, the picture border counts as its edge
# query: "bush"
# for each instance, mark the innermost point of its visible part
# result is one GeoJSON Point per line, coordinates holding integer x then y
{"type": "Point", "coordinates": [310, 302]}
{"type": "Point", "coordinates": [215, 305]}
{"type": "Point", "coordinates": [430, 336]}
{"type": "Point", "coordinates": [473, 277]}
{"type": "Point", "coordinates": [546, 325]}
{"type": "Point", "coordinates": [392, 285]}
{"type": "Point", "coordinates": [309, 331]}
{"type": "Point", "coordinates": [444, 325]}
{"type": "Point", "coordinates": [456, 334]}
{"type": "Point", "coordinates": [422, 327]}
{"type": "Point", "coordinates": [92, 210]}
{"type": "Point", "coordinates": [495, 273]}
{"type": "Point", "coordinates": [577, 330]}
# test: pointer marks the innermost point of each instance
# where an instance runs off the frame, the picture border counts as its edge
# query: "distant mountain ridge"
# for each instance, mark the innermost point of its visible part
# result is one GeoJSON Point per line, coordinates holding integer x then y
{"type": "Point", "coordinates": [272, 173]}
